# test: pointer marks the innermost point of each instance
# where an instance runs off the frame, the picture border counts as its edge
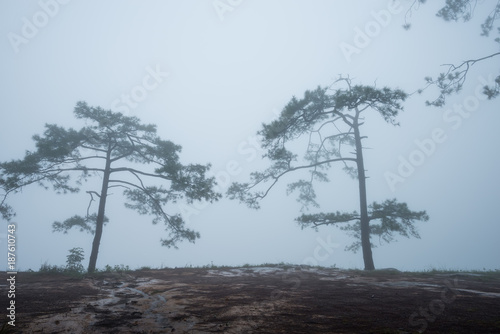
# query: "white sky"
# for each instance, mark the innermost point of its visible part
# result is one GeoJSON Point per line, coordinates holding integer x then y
{"type": "Point", "coordinates": [227, 74]}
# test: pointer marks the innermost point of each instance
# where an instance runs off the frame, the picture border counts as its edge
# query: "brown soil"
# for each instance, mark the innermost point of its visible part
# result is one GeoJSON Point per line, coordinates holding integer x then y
{"type": "Point", "coordinates": [257, 300]}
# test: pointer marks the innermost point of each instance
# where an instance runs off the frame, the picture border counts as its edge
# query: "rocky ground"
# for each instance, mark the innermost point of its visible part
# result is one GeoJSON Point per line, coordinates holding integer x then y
{"type": "Point", "coordinates": [258, 300]}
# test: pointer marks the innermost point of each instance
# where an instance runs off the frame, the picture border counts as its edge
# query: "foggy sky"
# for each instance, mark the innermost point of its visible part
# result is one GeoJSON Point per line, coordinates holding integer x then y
{"type": "Point", "coordinates": [208, 74]}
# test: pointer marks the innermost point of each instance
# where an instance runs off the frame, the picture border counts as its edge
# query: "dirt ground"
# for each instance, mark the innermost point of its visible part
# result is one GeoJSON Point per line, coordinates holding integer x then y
{"type": "Point", "coordinates": [258, 300]}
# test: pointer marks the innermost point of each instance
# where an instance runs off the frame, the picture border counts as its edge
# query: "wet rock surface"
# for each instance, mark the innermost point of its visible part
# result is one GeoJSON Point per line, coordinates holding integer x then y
{"type": "Point", "coordinates": [258, 300]}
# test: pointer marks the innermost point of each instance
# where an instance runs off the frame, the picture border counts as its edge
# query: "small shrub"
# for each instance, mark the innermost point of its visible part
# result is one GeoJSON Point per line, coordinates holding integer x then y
{"type": "Point", "coordinates": [49, 269]}
{"type": "Point", "coordinates": [116, 269]}
{"type": "Point", "coordinates": [74, 260]}
{"type": "Point", "coordinates": [145, 268]}
{"type": "Point", "coordinates": [121, 268]}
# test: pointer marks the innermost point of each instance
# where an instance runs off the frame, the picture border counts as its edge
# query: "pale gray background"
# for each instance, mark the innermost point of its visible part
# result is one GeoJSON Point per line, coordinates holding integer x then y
{"type": "Point", "coordinates": [228, 74]}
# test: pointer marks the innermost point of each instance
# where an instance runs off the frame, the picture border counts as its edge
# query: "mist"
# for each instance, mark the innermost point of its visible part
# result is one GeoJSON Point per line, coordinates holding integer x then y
{"type": "Point", "coordinates": [208, 74]}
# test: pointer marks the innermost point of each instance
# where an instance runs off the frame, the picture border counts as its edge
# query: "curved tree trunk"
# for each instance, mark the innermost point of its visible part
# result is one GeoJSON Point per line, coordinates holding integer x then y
{"type": "Point", "coordinates": [364, 221]}
{"type": "Point", "coordinates": [100, 214]}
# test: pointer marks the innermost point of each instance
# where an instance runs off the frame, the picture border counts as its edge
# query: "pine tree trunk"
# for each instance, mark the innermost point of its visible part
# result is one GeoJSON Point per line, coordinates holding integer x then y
{"type": "Point", "coordinates": [364, 221]}
{"type": "Point", "coordinates": [100, 215]}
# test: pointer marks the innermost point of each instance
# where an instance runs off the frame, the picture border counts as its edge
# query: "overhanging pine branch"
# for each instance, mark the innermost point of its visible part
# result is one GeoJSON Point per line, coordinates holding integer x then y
{"type": "Point", "coordinates": [241, 191]}
{"type": "Point", "coordinates": [158, 206]}
{"type": "Point", "coordinates": [327, 218]}
{"type": "Point", "coordinates": [135, 171]}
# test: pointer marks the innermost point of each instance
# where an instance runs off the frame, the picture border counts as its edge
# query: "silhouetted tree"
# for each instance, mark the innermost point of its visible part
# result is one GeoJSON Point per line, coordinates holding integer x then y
{"type": "Point", "coordinates": [331, 124]}
{"type": "Point", "coordinates": [452, 80]}
{"type": "Point", "coordinates": [118, 148]}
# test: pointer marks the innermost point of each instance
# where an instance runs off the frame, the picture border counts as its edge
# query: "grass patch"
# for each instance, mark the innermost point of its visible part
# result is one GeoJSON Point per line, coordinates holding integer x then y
{"type": "Point", "coordinates": [116, 269]}
{"type": "Point", "coordinates": [484, 274]}
{"type": "Point", "coordinates": [57, 270]}
{"type": "Point", "coordinates": [283, 265]}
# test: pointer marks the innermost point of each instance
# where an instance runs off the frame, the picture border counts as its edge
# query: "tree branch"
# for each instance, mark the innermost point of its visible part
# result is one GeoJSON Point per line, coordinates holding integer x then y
{"type": "Point", "coordinates": [134, 171]}
{"type": "Point", "coordinates": [327, 218]}
{"type": "Point", "coordinates": [452, 80]}
{"type": "Point", "coordinates": [240, 191]}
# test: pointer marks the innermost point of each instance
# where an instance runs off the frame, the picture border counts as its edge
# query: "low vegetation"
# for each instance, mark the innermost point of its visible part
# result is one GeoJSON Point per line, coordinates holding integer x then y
{"type": "Point", "coordinates": [72, 269]}
{"type": "Point", "coordinates": [75, 268]}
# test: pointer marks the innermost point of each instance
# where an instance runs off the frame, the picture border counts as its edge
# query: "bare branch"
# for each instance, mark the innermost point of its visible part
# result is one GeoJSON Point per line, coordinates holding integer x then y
{"type": "Point", "coordinates": [91, 200]}
{"type": "Point", "coordinates": [453, 79]}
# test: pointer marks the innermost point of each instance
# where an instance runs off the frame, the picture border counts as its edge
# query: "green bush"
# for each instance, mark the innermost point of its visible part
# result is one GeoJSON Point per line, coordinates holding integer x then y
{"type": "Point", "coordinates": [49, 269]}
{"type": "Point", "coordinates": [116, 269]}
{"type": "Point", "coordinates": [74, 260]}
